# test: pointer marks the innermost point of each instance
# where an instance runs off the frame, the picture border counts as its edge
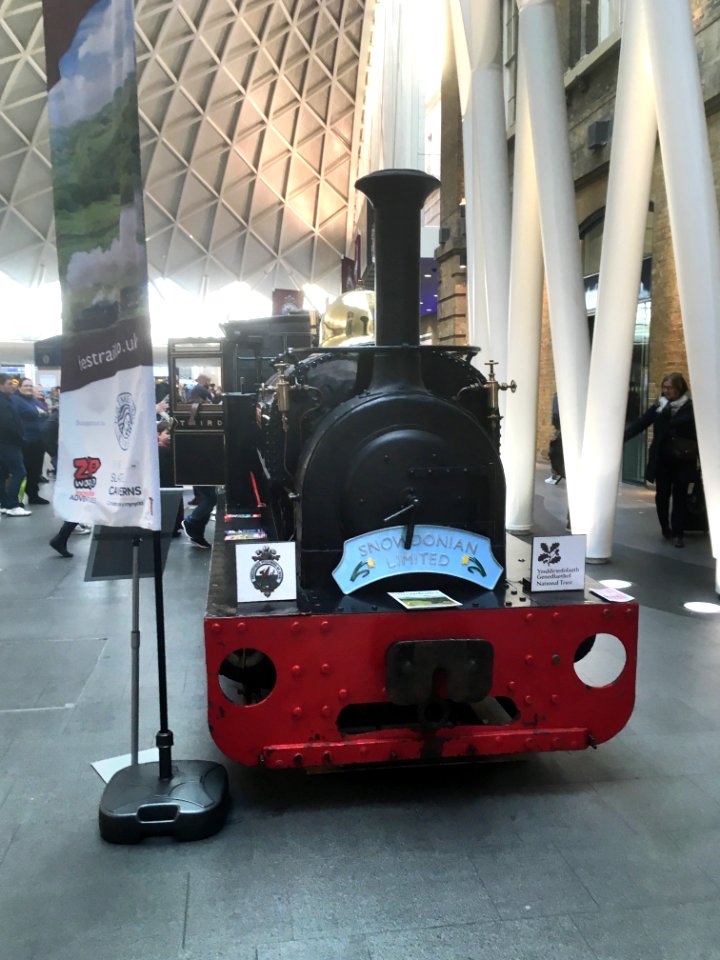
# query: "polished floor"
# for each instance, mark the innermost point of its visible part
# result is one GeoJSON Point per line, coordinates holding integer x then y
{"type": "Point", "coordinates": [611, 854]}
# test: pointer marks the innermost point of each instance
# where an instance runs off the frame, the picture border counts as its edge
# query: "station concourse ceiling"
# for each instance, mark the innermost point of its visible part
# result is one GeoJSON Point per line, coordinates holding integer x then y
{"type": "Point", "coordinates": [249, 122]}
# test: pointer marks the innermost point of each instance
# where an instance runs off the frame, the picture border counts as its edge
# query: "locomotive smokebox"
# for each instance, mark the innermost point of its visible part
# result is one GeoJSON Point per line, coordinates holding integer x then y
{"type": "Point", "coordinates": [398, 197]}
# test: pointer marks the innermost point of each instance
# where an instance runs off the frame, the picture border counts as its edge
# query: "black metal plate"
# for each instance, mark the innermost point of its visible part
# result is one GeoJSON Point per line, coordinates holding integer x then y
{"type": "Point", "coordinates": [412, 665]}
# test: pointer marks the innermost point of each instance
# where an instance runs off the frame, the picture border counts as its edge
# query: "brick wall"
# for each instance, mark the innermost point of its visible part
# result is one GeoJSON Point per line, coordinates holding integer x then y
{"type": "Point", "coordinates": [590, 96]}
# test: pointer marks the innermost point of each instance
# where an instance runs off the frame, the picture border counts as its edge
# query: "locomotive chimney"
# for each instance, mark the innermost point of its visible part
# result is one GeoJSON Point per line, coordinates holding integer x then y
{"type": "Point", "coordinates": [398, 197]}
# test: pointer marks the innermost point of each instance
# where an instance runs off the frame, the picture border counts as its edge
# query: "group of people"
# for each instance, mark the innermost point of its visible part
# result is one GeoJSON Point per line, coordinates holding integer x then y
{"type": "Point", "coordinates": [24, 418]}
{"type": "Point", "coordinates": [204, 498]}
{"type": "Point", "coordinates": [204, 390]}
{"type": "Point", "coordinates": [672, 463]}
{"type": "Point", "coordinates": [28, 430]}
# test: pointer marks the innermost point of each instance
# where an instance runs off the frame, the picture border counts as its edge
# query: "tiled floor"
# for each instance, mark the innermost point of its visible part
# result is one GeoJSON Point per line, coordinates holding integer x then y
{"type": "Point", "coordinates": [611, 854]}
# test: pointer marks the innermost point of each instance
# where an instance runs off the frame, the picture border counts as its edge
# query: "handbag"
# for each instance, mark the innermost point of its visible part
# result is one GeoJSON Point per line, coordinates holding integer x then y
{"type": "Point", "coordinates": [556, 455]}
{"type": "Point", "coordinates": [696, 517]}
{"type": "Point", "coordinates": [684, 448]}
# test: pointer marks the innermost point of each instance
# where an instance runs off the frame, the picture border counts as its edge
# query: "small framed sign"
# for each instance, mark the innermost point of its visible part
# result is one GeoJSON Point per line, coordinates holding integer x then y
{"type": "Point", "coordinates": [265, 571]}
{"type": "Point", "coordinates": [424, 599]}
{"type": "Point", "coordinates": [558, 563]}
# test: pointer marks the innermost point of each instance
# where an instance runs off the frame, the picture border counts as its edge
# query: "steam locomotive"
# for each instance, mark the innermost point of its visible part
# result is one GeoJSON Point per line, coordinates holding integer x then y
{"type": "Point", "coordinates": [370, 608]}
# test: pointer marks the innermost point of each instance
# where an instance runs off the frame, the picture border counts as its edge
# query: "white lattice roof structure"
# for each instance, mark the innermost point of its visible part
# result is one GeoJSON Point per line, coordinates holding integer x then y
{"type": "Point", "coordinates": [250, 114]}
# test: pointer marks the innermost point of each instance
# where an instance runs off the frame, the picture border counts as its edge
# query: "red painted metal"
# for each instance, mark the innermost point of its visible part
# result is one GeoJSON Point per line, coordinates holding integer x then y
{"type": "Point", "coordinates": [325, 663]}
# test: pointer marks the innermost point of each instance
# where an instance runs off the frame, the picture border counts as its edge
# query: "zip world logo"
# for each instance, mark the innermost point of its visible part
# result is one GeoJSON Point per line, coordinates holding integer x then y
{"type": "Point", "coordinates": [85, 470]}
{"type": "Point", "coordinates": [124, 422]}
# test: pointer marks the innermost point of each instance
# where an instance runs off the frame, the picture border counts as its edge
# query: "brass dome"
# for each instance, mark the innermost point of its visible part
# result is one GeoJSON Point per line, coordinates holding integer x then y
{"type": "Point", "coordinates": [349, 320]}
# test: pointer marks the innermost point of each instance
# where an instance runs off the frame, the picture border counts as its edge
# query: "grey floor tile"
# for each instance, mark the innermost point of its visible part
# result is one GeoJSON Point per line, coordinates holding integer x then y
{"type": "Point", "coordinates": [23, 724]}
{"type": "Point", "coordinates": [620, 759]}
{"type": "Point", "coordinates": [57, 756]}
{"type": "Point", "coordinates": [667, 932]}
{"type": "Point", "coordinates": [530, 880]}
{"type": "Point", "coordinates": [66, 893]}
{"type": "Point", "coordinates": [683, 754]}
{"type": "Point", "coordinates": [663, 807]}
{"type": "Point", "coordinates": [637, 873]}
{"type": "Point", "coordinates": [709, 784]}
{"type": "Point", "coordinates": [567, 814]}
{"type": "Point", "coordinates": [234, 905]}
{"type": "Point", "coordinates": [126, 942]}
{"type": "Point", "coordinates": [7, 832]}
{"type": "Point", "coordinates": [34, 800]}
{"type": "Point", "coordinates": [365, 899]}
{"type": "Point", "coordinates": [542, 939]}
{"type": "Point", "coordinates": [46, 674]}
{"type": "Point", "coordinates": [344, 948]}
{"type": "Point", "coordinates": [698, 847]}
{"type": "Point", "coordinates": [231, 951]}
{"type": "Point", "coordinates": [659, 715]}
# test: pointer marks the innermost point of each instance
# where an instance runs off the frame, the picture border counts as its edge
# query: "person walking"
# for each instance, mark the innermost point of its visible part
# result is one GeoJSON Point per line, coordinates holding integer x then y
{"type": "Point", "coordinates": [673, 456]}
{"type": "Point", "coordinates": [33, 416]}
{"type": "Point", "coordinates": [555, 448]}
{"type": "Point", "coordinates": [194, 524]}
{"type": "Point", "coordinates": [50, 442]}
{"type": "Point", "coordinates": [12, 466]}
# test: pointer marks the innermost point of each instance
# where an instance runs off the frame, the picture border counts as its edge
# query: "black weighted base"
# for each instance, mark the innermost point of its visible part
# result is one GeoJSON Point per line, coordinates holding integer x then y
{"type": "Point", "coordinates": [192, 805]}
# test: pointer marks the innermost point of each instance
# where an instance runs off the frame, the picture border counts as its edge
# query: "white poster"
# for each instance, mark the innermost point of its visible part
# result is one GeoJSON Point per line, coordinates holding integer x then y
{"type": "Point", "coordinates": [558, 563]}
{"type": "Point", "coordinates": [111, 455]}
{"type": "Point", "coordinates": [265, 571]}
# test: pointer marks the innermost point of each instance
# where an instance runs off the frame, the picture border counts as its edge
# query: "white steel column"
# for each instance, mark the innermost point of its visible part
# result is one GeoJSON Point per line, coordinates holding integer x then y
{"type": "Point", "coordinates": [630, 180]}
{"type": "Point", "coordinates": [393, 108]}
{"type": "Point", "coordinates": [488, 170]}
{"type": "Point", "coordinates": [694, 223]}
{"type": "Point", "coordinates": [539, 48]}
{"type": "Point", "coordinates": [525, 319]}
{"type": "Point", "coordinates": [477, 319]}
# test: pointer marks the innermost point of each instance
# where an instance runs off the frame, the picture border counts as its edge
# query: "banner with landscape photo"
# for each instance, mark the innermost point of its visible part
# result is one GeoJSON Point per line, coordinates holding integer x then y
{"type": "Point", "coordinates": [107, 462]}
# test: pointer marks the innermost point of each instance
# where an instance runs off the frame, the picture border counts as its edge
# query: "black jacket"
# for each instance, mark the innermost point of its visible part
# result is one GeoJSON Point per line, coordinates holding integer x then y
{"type": "Point", "coordinates": [11, 430]}
{"type": "Point", "coordinates": [665, 426]}
{"type": "Point", "coordinates": [50, 432]}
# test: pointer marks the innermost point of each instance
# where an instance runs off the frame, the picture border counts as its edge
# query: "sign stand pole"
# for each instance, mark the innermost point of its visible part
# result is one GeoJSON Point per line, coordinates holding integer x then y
{"type": "Point", "coordinates": [186, 799]}
{"type": "Point", "coordinates": [135, 651]}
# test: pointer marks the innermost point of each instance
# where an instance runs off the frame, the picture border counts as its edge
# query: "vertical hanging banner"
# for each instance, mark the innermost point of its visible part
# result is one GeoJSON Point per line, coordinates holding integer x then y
{"type": "Point", "coordinates": [107, 455]}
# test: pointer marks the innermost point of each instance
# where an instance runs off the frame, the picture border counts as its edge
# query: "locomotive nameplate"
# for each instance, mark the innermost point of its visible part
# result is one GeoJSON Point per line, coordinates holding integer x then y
{"type": "Point", "coordinates": [381, 554]}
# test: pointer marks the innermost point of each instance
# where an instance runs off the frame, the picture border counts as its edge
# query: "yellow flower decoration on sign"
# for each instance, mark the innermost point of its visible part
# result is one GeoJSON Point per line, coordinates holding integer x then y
{"type": "Point", "coordinates": [362, 569]}
{"type": "Point", "coordinates": [475, 566]}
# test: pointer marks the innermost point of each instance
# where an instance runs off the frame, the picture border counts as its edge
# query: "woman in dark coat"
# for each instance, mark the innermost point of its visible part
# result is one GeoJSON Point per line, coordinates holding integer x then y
{"type": "Point", "coordinates": [33, 416]}
{"type": "Point", "coordinates": [672, 459]}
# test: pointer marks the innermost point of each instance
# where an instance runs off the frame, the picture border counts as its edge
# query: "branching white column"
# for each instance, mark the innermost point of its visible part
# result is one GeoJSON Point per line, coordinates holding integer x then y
{"type": "Point", "coordinates": [490, 210]}
{"type": "Point", "coordinates": [694, 222]}
{"type": "Point", "coordinates": [558, 221]}
{"type": "Point", "coordinates": [477, 318]}
{"type": "Point", "coordinates": [526, 286]}
{"type": "Point", "coordinates": [631, 163]}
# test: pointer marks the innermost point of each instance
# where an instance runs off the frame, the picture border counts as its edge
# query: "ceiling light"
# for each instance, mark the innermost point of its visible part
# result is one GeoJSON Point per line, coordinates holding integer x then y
{"type": "Point", "coordinates": [616, 584]}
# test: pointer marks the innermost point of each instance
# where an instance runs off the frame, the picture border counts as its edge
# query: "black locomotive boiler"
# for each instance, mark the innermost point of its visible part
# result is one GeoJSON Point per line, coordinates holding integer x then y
{"type": "Point", "coordinates": [353, 438]}
{"type": "Point", "coordinates": [380, 465]}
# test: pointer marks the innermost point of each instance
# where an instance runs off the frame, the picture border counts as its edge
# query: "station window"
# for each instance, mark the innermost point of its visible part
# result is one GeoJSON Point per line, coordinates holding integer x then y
{"type": "Point", "coordinates": [592, 22]}
{"type": "Point", "coordinates": [591, 238]}
{"type": "Point", "coordinates": [510, 57]}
